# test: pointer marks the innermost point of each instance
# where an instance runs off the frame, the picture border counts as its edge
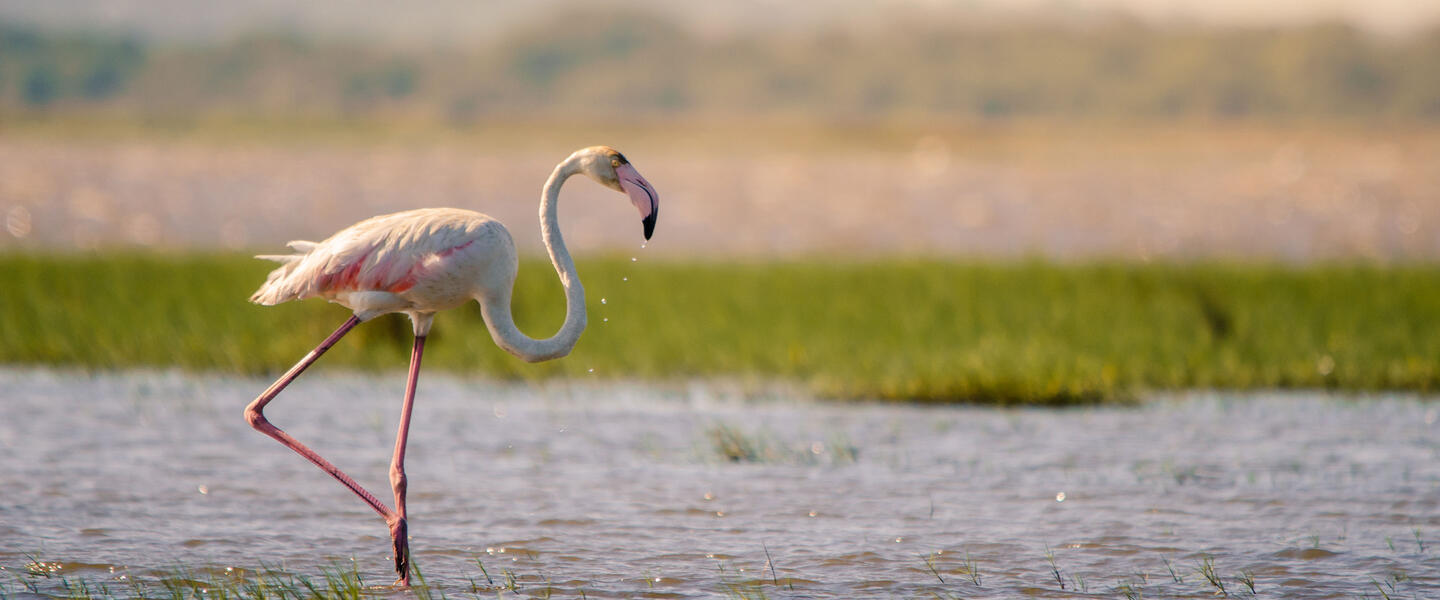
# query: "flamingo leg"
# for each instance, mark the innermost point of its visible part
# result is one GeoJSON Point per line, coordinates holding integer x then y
{"type": "Point", "coordinates": [398, 528]}
{"type": "Point", "coordinates": [255, 416]}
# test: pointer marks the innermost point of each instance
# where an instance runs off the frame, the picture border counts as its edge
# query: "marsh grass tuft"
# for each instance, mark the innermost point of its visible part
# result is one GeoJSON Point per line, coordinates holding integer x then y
{"type": "Point", "coordinates": [1206, 568]}
{"type": "Point", "coordinates": [1392, 583]}
{"type": "Point", "coordinates": [1383, 594]}
{"type": "Point", "coordinates": [971, 569]}
{"type": "Point", "coordinates": [770, 562]}
{"type": "Point", "coordinates": [731, 443]}
{"type": "Point", "coordinates": [739, 588]}
{"type": "Point", "coordinates": [1247, 579]}
{"type": "Point", "coordinates": [1054, 568]}
{"type": "Point", "coordinates": [1174, 576]}
{"type": "Point", "coordinates": [1129, 590]}
{"type": "Point", "coordinates": [935, 564]}
{"type": "Point", "coordinates": [735, 446]}
{"type": "Point", "coordinates": [930, 560]}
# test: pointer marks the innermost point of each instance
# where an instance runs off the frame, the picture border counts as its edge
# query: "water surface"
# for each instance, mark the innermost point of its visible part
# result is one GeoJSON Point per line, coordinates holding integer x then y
{"type": "Point", "coordinates": [627, 490]}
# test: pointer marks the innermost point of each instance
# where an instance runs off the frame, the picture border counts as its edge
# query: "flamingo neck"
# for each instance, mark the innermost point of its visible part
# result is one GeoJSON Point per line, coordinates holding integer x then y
{"type": "Point", "coordinates": [497, 308]}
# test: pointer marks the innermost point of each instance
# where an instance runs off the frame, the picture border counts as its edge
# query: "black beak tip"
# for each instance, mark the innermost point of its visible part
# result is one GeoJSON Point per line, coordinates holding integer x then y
{"type": "Point", "coordinates": [649, 223]}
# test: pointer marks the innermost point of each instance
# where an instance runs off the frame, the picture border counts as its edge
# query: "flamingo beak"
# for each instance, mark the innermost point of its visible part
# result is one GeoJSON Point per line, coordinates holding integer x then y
{"type": "Point", "coordinates": [642, 195]}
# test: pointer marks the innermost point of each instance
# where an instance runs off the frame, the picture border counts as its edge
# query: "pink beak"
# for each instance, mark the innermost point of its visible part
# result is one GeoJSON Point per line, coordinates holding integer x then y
{"type": "Point", "coordinates": [642, 195]}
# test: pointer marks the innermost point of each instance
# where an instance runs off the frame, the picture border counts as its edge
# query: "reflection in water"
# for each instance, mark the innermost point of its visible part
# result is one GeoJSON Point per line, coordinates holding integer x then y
{"type": "Point", "coordinates": [624, 490]}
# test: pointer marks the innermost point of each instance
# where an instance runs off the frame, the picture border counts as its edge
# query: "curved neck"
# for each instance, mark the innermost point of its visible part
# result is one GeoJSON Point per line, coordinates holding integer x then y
{"type": "Point", "coordinates": [497, 308]}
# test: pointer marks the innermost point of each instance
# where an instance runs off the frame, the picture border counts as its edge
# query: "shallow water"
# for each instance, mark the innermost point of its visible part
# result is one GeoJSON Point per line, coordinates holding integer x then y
{"type": "Point", "coordinates": [620, 490]}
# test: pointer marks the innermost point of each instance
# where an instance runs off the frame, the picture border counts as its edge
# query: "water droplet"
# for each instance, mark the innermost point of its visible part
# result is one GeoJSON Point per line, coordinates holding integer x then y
{"type": "Point", "coordinates": [592, 369]}
{"type": "Point", "coordinates": [602, 301]}
{"type": "Point", "coordinates": [1060, 497]}
{"type": "Point", "coordinates": [624, 279]}
{"type": "Point", "coordinates": [633, 259]}
{"type": "Point", "coordinates": [605, 320]}
{"type": "Point", "coordinates": [642, 245]}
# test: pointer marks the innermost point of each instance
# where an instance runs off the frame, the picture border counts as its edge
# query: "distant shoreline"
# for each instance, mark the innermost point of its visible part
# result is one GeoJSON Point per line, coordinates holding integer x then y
{"type": "Point", "coordinates": [1291, 193]}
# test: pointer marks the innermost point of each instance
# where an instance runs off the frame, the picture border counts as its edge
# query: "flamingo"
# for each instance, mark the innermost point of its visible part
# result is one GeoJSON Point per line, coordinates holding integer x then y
{"type": "Point", "coordinates": [422, 261]}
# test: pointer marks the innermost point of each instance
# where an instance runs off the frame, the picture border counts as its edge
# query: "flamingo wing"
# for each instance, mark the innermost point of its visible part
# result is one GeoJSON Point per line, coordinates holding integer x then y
{"type": "Point", "coordinates": [388, 253]}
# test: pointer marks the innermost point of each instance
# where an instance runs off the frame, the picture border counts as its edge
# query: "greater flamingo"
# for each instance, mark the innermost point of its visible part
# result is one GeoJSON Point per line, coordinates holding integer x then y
{"type": "Point", "coordinates": [422, 261]}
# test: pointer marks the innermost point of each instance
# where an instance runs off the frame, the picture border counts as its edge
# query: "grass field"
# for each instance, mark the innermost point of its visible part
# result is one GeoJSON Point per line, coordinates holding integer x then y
{"type": "Point", "coordinates": [1006, 332]}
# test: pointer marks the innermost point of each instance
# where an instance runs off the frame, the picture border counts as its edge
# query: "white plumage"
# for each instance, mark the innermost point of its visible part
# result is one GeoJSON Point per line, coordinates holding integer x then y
{"type": "Point", "coordinates": [414, 261]}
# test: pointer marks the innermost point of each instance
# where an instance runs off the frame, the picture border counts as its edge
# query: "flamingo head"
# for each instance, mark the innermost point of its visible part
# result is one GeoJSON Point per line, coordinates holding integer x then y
{"type": "Point", "coordinates": [609, 167]}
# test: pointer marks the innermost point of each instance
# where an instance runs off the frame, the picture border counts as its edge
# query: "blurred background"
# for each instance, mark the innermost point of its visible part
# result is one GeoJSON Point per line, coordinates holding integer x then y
{"type": "Point", "coordinates": [1174, 206]}
{"type": "Point", "coordinates": [1286, 131]}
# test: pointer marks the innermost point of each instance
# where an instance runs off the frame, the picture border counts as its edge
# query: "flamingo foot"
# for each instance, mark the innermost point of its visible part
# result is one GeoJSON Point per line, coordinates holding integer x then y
{"type": "Point", "coordinates": [401, 546]}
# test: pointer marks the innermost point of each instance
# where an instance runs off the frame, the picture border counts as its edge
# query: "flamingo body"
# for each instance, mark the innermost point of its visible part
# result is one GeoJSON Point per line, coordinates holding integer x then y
{"type": "Point", "coordinates": [417, 262]}
{"type": "Point", "coordinates": [422, 261]}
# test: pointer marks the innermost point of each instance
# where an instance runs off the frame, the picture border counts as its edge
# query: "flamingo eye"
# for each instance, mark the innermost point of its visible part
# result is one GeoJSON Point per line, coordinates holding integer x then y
{"type": "Point", "coordinates": [614, 162]}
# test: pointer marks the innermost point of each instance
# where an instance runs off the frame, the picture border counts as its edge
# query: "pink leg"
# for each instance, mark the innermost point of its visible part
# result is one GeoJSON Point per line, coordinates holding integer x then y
{"type": "Point", "coordinates": [255, 416]}
{"type": "Point", "coordinates": [398, 529]}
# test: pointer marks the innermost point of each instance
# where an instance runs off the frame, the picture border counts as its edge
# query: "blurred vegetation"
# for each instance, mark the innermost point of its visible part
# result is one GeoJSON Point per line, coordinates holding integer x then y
{"type": "Point", "coordinates": [1020, 332]}
{"type": "Point", "coordinates": [635, 64]}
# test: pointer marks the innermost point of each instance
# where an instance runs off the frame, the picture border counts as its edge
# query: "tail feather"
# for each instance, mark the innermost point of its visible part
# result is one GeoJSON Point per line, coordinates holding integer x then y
{"type": "Point", "coordinates": [276, 288]}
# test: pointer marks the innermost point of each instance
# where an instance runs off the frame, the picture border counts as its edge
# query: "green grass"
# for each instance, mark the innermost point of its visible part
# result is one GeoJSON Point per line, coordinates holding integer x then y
{"type": "Point", "coordinates": [39, 579]}
{"type": "Point", "coordinates": [1010, 332]}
